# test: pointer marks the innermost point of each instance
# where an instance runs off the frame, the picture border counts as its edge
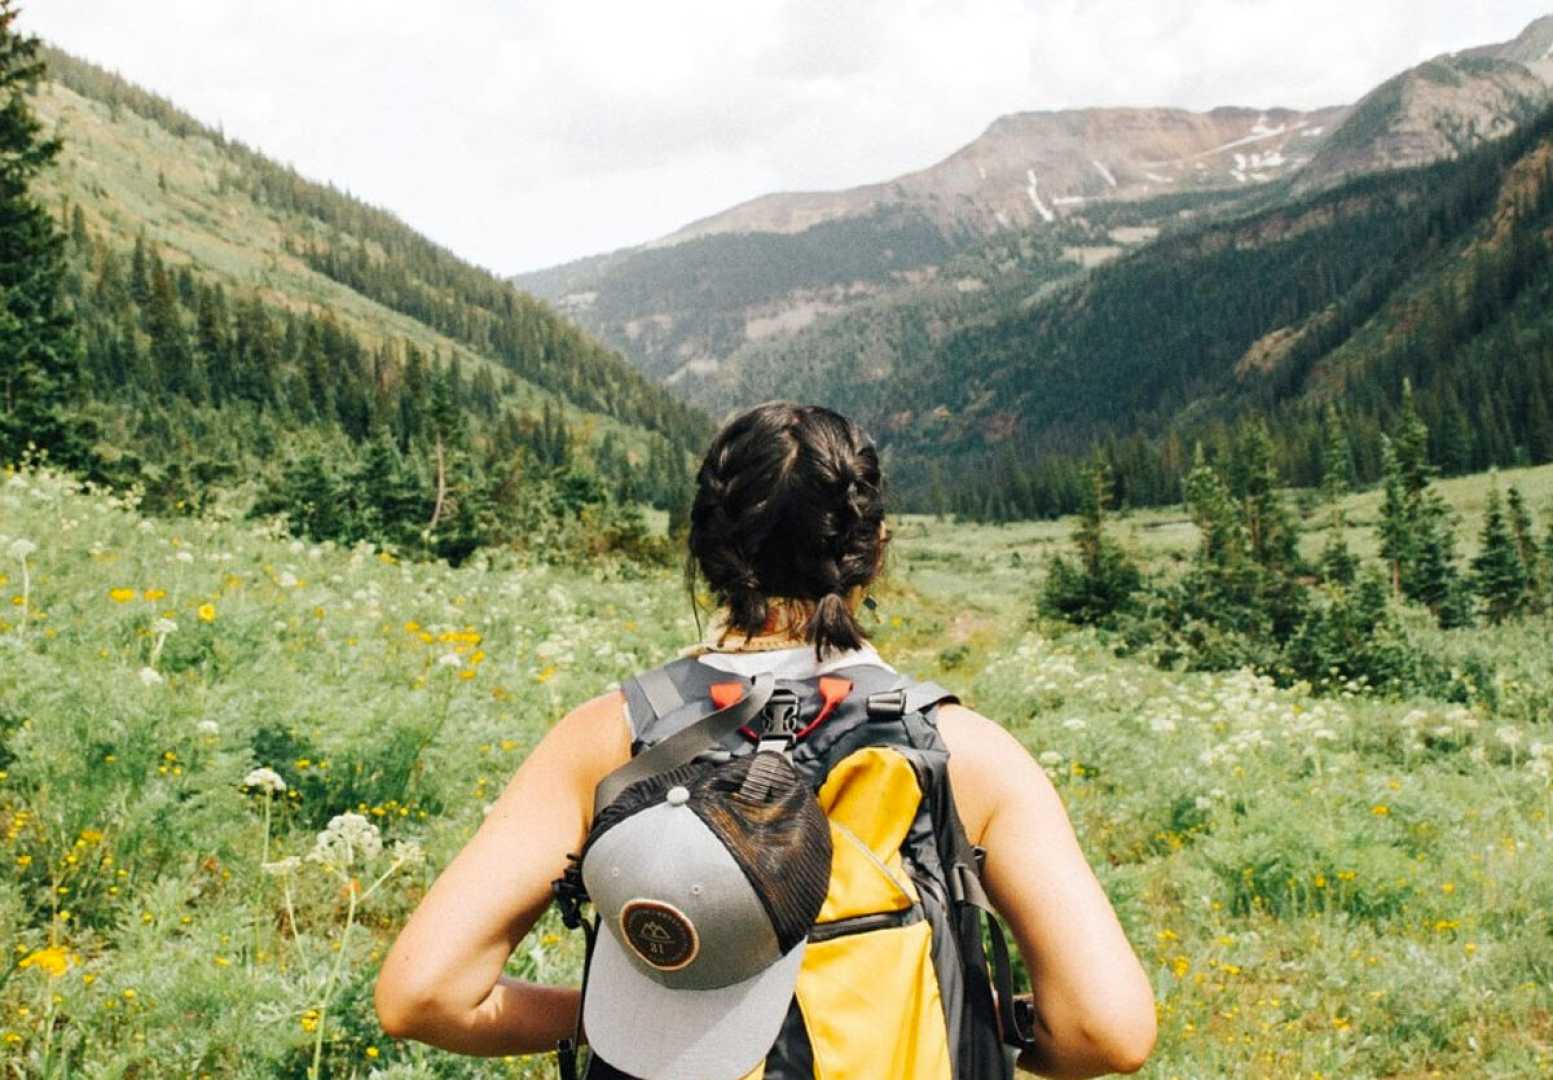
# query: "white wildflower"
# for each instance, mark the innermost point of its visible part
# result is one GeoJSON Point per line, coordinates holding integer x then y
{"type": "Point", "coordinates": [449, 660]}
{"type": "Point", "coordinates": [1202, 802]}
{"type": "Point", "coordinates": [163, 626]}
{"type": "Point", "coordinates": [281, 867]}
{"type": "Point", "coordinates": [1074, 723]}
{"type": "Point", "coordinates": [184, 557]}
{"type": "Point", "coordinates": [1323, 734]}
{"type": "Point", "coordinates": [208, 727]}
{"type": "Point", "coordinates": [1051, 757]}
{"type": "Point", "coordinates": [1162, 725]}
{"type": "Point", "coordinates": [296, 547]}
{"type": "Point", "coordinates": [288, 580]}
{"type": "Point", "coordinates": [151, 677]}
{"type": "Point", "coordinates": [407, 853]}
{"type": "Point", "coordinates": [266, 778]}
{"type": "Point", "coordinates": [1509, 735]}
{"type": "Point", "coordinates": [349, 835]}
{"type": "Point", "coordinates": [21, 547]}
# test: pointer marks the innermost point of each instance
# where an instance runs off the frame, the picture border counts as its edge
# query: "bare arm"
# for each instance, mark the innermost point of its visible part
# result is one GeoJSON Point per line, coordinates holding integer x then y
{"type": "Point", "coordinates": [442, 981]}
{"type": "Point", "coordinates": [1094, 1003]}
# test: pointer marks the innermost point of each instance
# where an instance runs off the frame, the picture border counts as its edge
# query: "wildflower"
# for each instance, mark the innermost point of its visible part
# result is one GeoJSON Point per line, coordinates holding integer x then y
{"type": "Point", "coordinates": [1509, 735]}
{"type": "Point", "coordinates": [266, 779]}
{"type": "Point", "coordinates": [121, 596]}
{"type": "Point", "coordinates": [1380, 809]}
{"type": "Point", "coordinates": [348, 835]}
{"type": "Point", "coordinates": [207, 612]}
{"type": "Point", "coordinates": [288, 580]}
{"type": "Point", "coordinates": [282, 867]}
{"type": "Point", "coordinates": [151, 677]}
{"type": "Point", "coordinates": [184, 557]}
{"type": "Point", "coordinates": [1051, 757]}
{"type": "Point", "coordinates": [21, 548]}
{"type": "Point", "coordinates": [163, 626]}
{"type": "Point", "coordinates": [154, 595]}
{"type": "Point", "coordinates": [407, 853]}
{"type": "Point", "coordinates": [208, 727]}
{"type": "Point", "coordinates": [55, 960]}
{"type": "Point", "coordinates": [449, 660]}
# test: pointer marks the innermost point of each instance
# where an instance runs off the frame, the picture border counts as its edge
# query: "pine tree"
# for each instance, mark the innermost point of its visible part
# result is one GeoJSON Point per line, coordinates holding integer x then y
{"type": "Point", "coordinates": [1338, 563]}
{"type": "Point", "coordinates": [1270, 529]}
{"type": "Point", "coordinates": [1105, 578]}
{"type": "Point", "coordinates": [1397, 542]}
{"type": "Point", "coordinates": [1523, 530]}
{"type": "Point", "coordinates": [1498, 575]}
{"type": "Point", "coordinates": [40, 366]}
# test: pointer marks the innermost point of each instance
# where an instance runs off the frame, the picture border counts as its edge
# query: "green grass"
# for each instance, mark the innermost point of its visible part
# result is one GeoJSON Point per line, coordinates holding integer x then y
{"type": "Point", "coordinates": [1340, 886]}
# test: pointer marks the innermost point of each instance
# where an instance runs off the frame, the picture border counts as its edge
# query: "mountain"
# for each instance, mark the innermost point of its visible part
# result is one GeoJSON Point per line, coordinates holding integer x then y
{"type": "Point", "coordinates": [710, 308]}
{"type": "Point", "coordinates": [1439, 108]}
{"type": "Point", "coordinates": [236, 317]}
{"type": "Point", "coordinates": [1440, 275]}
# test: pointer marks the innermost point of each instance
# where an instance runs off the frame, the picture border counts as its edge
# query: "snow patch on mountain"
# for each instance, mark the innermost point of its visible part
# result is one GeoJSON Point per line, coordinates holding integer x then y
{"type": "Point", "coordinates": [1035, 198]}
{"type": "Point", "coordinates": [1158, 179]}
{"type": "Point", "coordinates": [1104, 172]}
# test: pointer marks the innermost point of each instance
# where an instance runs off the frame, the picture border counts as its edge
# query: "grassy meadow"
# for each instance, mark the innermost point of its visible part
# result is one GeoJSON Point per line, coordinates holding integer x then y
{"type": "Point", "coordinates": [1320, 887]}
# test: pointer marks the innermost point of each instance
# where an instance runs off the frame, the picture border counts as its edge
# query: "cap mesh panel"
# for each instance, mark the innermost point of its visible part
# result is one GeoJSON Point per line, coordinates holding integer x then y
{"type": "Point", "coordinates": [781, 842]}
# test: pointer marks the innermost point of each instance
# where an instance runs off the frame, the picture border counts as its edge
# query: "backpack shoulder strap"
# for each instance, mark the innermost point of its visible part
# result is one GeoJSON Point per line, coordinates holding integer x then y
{"type": "Point", "coordinates": [689, 742]}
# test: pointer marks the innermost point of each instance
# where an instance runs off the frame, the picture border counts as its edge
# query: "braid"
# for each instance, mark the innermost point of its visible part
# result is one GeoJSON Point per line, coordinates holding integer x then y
{"type": "Point", "coordinates": [789, 503]}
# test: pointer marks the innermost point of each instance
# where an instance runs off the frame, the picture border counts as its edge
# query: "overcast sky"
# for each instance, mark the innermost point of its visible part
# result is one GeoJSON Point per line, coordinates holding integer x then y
{"type": "Point", "coordinates": [528, 132]}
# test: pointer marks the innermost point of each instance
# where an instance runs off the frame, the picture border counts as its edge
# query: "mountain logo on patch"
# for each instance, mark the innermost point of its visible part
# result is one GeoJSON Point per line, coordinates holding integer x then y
{"type": "Point", "coordinates": [660, 934]}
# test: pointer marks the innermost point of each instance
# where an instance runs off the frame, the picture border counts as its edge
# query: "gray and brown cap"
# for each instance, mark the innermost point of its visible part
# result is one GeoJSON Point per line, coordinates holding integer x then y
{"type": "Point", "coordinates": [706, 880]}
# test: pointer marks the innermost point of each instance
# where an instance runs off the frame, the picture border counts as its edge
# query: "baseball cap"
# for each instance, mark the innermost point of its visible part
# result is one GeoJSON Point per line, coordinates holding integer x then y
{"type": "Point", "coordinates": [706, 880]}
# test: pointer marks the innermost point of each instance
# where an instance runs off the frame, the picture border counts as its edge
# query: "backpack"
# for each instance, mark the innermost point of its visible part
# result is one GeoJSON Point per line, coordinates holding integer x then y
{"type": "Point", "coordinates": [895, 981]}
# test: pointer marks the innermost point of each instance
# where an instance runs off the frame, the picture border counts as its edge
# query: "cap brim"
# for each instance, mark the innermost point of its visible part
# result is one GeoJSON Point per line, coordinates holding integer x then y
{"type": "Point", "coordinates": [652, 1032]}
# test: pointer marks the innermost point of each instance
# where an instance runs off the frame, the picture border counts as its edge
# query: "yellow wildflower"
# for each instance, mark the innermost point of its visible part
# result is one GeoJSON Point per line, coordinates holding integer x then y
{"type": "Point", "coordinates": [207, 612]}
{"type": "Point", "coordinates": [121, 596]}
{"type": "Point", "coordinates": [154, 595]}
{"type": "Point", "coordinates": [55, 960]}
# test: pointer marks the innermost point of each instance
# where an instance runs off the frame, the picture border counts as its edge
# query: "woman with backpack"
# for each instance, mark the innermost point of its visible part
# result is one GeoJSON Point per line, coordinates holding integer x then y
{"type": "Point", "coordinates": [789, 846]}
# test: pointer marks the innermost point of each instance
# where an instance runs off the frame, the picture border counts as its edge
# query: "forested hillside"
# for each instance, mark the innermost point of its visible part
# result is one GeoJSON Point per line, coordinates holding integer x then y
{"type": "Point", "coordinates": [238, 323]}
{"type": "Point", "coordinates": [1439, 274]}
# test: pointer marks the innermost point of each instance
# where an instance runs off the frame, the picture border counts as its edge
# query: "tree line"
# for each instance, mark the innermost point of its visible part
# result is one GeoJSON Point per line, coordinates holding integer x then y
{"type": "Point", "coordinates": [1249, 598]}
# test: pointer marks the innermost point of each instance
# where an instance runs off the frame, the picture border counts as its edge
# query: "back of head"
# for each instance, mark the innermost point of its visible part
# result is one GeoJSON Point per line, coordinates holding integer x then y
{"type": "Point", "coordinates": [789, 506]}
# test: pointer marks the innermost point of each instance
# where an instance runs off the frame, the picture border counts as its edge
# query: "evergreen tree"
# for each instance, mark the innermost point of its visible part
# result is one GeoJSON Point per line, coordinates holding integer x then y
{"type": "Point", "coordinates": [1338, 563]}
{"type": "Point", "coordinates": [1105, 578]}
{"type": "Point", "coordinates": [1498, 575]}
{"type": "Point", "coordinates": [1523, 530]}
{"type": "Point", "coordinates": [1395, 527]}
{"type": "Point", "coordinates": [40, 371]}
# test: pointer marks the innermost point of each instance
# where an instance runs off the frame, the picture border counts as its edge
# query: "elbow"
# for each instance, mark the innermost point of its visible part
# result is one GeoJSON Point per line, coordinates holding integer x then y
{"type": "Point", "coordinates": [1124, 1044]}
{"type": "Point", "coordinates": [401, 1013]}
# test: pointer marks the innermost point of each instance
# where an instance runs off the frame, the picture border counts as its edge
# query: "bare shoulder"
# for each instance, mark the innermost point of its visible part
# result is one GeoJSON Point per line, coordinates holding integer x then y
{"type": "Point", "coordinates": [985, 762]}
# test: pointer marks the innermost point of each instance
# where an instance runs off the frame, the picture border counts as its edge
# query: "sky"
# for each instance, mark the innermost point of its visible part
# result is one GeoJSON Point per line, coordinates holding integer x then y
{"type": "Point", "coordinates": [525, 133]}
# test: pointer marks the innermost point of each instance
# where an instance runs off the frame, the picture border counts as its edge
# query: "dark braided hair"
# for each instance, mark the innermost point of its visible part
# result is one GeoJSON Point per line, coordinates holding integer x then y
{"type": "Point", "coordinates": [789, 504]}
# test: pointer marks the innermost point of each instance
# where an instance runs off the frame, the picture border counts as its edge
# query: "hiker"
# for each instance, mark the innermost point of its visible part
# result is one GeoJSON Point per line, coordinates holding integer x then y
{"type": "Point", "coordinates": [781, 891]}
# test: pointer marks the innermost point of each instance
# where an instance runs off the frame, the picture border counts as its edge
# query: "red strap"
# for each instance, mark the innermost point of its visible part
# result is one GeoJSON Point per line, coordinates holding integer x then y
{"type": "Point", "coordinates": [725, 694]}
{"type": "Point", "coordinates": [833, 691]}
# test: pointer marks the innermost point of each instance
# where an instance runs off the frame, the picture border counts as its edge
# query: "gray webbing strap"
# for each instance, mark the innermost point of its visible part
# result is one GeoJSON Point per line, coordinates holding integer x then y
{"type": "Point", "coordinates": [705, 734]}
{"type": "Point", "coordinates": [921, 695]}
{"type": "Point", "coordinates": [661, 693]}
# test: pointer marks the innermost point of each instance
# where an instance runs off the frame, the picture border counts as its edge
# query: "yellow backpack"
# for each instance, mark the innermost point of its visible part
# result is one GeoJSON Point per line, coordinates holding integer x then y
{"type": "Point", "coordinates": [895, 982]}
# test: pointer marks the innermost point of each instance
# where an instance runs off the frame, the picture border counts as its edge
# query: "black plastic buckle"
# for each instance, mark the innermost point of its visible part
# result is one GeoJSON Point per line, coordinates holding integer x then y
{"type": "Point", "coordinates": [887, 705]}
{"type": "Point", "coordinates": [781, 716]}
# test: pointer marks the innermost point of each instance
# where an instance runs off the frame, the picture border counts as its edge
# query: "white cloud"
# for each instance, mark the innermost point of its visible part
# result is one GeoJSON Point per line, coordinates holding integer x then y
{"type": "Point", "coordinates": [521, 135]}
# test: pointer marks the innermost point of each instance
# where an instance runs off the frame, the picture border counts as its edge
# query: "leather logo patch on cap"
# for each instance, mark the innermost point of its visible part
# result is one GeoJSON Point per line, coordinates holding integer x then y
{"type": "Point", "coordinates": [660, 934]}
